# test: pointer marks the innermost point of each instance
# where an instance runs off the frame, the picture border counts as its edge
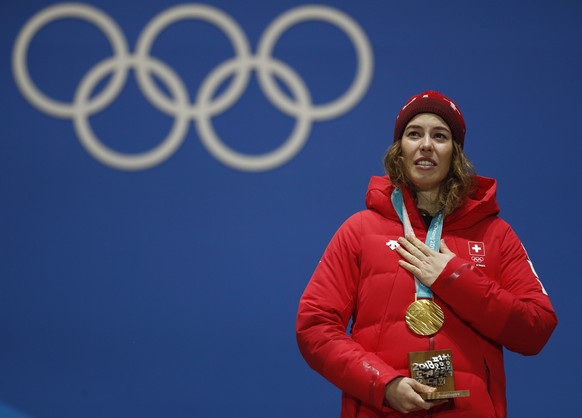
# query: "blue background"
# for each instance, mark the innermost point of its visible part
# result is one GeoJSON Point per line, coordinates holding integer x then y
{"type": "Point", "coordinates": [172, 291]}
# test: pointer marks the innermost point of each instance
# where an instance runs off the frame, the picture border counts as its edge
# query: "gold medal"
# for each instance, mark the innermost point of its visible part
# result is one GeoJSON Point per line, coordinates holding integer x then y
{"type": "Point", "coordinates": [424, 317]}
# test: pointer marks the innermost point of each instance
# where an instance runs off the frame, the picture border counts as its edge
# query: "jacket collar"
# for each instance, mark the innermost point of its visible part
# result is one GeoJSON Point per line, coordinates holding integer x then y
{"type": "Point", "coordinates": [481, 205]}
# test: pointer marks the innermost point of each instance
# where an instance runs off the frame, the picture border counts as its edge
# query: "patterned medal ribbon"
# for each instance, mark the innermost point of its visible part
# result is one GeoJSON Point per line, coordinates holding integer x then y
{"type": "Point", "coordinates": [424, 316]}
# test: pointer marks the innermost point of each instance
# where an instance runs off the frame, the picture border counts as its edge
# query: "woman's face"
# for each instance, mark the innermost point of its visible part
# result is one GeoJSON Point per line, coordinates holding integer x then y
{"type": "Point", "coordinates": [427, 148]}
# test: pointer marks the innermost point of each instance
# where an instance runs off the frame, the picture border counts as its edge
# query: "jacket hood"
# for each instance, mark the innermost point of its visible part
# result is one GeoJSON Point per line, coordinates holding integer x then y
{"type": "Point", "coordinates": [475, 209]}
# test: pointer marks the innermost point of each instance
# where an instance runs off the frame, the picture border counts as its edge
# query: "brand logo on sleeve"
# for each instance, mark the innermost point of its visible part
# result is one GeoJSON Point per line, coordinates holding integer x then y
{"type": "Point", "coordinates": [392, 244]}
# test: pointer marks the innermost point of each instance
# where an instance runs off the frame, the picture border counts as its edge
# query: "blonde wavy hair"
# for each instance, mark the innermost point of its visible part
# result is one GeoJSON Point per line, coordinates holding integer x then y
{"type": "Point", "coordinates": [454, 189]}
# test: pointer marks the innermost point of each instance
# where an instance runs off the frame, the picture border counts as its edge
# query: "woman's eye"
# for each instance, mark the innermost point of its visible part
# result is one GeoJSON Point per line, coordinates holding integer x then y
{"type": "Point", "coordinates": [413, 134]}
{"type": "Point", "coordinates": [440, 136]}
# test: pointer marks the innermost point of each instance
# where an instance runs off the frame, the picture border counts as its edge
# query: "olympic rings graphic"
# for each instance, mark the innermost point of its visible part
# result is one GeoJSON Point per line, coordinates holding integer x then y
{"type": "Point", "coordinates": [206, 105]}
{"type": "Point", "coordinates": [477, 259]}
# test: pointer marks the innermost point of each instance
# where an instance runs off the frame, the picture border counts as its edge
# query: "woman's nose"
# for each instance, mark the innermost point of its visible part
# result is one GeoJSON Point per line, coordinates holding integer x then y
{"type": "Point", "coordinates": [426, 144]}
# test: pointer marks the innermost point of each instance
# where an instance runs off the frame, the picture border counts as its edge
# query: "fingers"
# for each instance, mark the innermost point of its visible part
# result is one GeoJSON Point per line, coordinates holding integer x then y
{"type": "Point", "coordinates": [402, 394]}
{"type": "Point", "coordinates": [405, 253]}
{"type": "Point", "coordinates": [415, 271]}
{"type": "Point", "coordinates": [443, 248]}
{"type": "Point", "coordinates": [421, 261]}
{"type": "Point", "coordinates": [413, 257]}
{"type": "Point", "coordinates": [420, 388]}
{"type": "Point", "coordinates": [411, 248]}
{"type": "Point", "coordinates": [415, 246]}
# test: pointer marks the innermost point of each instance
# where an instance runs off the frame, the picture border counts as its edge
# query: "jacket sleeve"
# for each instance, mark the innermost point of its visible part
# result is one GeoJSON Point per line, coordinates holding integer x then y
{"type": "Point", "coordinates": [325, 309]}
{"type": "Point", "coordinates": [513, 310]}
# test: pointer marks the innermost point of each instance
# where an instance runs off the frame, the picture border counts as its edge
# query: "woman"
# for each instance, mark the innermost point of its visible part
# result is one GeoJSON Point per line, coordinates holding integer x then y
{"type": "Point", "coordinates": [470, 288]}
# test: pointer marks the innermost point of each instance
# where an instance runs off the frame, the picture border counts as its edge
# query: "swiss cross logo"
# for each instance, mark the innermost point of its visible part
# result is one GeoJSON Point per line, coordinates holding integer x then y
{"type": "Point", "coordinates": [477, 253]}
{"type": "Point", "coordinates": [476, 248]}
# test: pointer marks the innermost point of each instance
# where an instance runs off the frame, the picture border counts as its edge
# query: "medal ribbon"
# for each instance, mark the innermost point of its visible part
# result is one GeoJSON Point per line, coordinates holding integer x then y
{"type": "Point", "coordinates": [433, 237]}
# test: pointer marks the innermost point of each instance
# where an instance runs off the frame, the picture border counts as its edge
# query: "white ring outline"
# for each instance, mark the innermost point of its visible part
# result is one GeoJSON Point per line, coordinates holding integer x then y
{"type": "Point", "coordinates": [203, 108]}
{"type": "Point", "coordinates": [222, 21]}
{"type": "Point", "coordinates": [117, 159]}
{"type": "Point", "coordinates": [269, 160]}
{"type": "Point", "coordinates": [342, 21]}
{"type": "Point", "coordinates": [62, 11]}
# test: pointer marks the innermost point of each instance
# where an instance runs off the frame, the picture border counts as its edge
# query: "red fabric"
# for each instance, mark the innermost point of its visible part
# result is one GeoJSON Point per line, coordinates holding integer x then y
{"type": "Point", "coordinates": [489, 303]}
{"type": "Point", "coordinates": [432, 102]}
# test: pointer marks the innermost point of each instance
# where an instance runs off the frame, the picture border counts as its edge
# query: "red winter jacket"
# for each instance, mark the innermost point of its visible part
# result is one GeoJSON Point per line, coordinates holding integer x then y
{"type": "Point", "coordinates": [489, 293]}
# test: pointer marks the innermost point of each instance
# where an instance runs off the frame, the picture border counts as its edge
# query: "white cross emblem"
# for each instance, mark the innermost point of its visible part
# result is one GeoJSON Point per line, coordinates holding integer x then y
{"type": "Point", "coordinates": [476, 248]}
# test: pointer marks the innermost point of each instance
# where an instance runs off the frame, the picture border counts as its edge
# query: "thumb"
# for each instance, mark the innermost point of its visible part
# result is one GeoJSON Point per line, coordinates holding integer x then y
{"type": "Point", "coordinates": [420, 388]}
{"type": "Point", "coordinates": [443, 248]}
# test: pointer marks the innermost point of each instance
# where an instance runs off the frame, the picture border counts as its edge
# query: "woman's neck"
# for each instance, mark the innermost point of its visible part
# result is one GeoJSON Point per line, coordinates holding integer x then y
{"type": "Point", "coordinates": [428, 201]}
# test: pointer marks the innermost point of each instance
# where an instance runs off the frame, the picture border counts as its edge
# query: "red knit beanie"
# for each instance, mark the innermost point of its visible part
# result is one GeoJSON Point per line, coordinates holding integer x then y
{"type": "Point", "coordinates": [432, 102]}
